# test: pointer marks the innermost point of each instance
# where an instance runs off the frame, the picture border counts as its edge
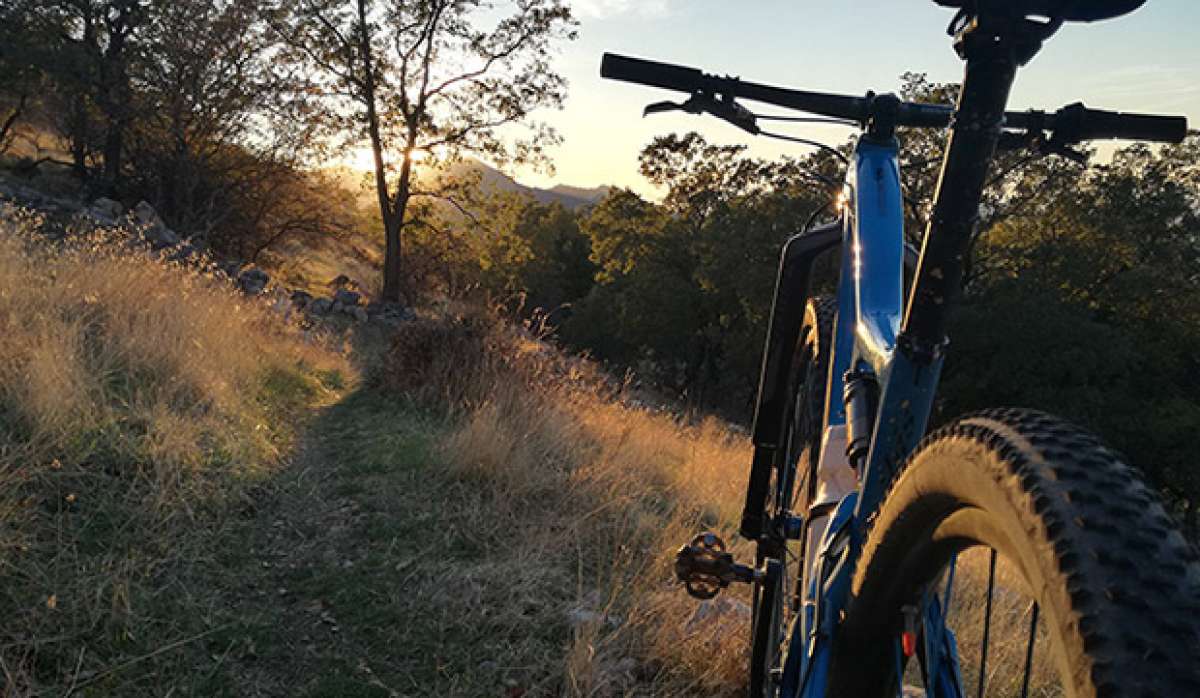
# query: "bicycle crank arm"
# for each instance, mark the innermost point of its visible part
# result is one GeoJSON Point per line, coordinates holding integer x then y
{"type": "Point", "coordinates": [705, 568]}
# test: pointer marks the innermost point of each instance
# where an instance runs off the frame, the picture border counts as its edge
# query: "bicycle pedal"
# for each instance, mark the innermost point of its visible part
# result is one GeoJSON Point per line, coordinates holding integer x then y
{"type": "Point", "coordinates": [705, 567]}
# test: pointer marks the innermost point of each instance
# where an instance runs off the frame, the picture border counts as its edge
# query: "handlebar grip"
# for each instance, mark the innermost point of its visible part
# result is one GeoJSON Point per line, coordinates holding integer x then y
{"type": "Point", "coordinates": [652, 73]}
{"type": "Point", "coordinates": [1141, 127]}
{"type": "Point", "coordinates": [1098, 124]}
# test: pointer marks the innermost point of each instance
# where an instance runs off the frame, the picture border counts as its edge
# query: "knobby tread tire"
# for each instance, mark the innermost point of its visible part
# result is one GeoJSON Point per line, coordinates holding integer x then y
{"type": "Point", "coordinates": [811, 363]}
{"type": "Point", "coordinates": [819, 314]}
{"type": "Point", "coordinates": [1118, 585]}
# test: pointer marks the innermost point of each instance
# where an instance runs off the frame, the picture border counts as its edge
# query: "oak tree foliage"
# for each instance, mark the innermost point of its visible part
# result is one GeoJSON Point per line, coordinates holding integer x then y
{"type": "Point", "coordinates": [444, 78]}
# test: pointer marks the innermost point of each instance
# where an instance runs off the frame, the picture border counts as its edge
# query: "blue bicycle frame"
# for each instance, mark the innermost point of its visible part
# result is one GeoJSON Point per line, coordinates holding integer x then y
{"type": "Point", "coordinates": [888, 348]}
{"type": "Point", "coordinates": [870, 313]}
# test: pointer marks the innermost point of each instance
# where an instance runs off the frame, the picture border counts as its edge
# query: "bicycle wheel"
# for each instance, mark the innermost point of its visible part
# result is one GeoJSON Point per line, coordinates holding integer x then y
{"type": "Point", "coordinates": [1114, 590]}
{"type": "Point", "coordinates": [771, 603]}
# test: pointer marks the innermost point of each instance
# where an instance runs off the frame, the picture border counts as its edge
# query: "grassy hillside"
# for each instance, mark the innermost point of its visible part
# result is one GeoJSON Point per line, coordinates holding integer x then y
{"type": "Point", "coordinates": [198, 498]}
{"type": "Point", "coordinates": [568, 504]}
{"type": "Point", "coordinates": [142, 408]}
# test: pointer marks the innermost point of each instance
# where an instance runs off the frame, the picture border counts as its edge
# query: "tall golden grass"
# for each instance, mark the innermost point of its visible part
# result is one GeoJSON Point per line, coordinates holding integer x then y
{"type": "Point", "coordinates": [601, 488]}
{"type": "Point", "coordinates": [138, 400]}
{"type": "Point", "coordinates": [581, 480]}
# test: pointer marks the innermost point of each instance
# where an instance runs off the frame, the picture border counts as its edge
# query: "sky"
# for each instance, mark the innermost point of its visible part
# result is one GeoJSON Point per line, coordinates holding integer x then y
{"type": "Point", "coordinates": [1147, 61]}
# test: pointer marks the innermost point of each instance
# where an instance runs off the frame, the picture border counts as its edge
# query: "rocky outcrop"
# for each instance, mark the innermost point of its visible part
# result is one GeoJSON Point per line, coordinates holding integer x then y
{"type": "Point", "coordinates": [253, 281]}
{"type": "Point", "coordinates": [142, 227]}
{"type": "Point", "coordinates": [106, 211]}
{"type": "Point", "coordinates": [301, 299]}
{"type": "Point", "coordinates": [393, 314]}
{"type": "Point", "coordinates": [347, 298]}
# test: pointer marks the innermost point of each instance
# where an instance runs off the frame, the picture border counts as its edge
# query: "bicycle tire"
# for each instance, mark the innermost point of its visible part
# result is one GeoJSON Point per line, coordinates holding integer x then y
{"type": "Point", "coordinates": [1117, 583]}
{"type": "Point", "coordinates": [802, 438]}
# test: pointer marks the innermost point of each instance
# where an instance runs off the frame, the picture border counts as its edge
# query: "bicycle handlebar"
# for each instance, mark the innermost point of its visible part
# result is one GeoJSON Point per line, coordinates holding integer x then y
{"type": "Point", "coordinates": [1070, 124]}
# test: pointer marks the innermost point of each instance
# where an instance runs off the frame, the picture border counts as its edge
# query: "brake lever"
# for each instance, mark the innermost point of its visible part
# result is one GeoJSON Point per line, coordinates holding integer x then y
{"type": "Point", "coordinates": [659, 107]}
{"type": "Point", "coordinates": [699, 103]}
{"type": "Point", "coordinates": [1017, 140]}
{"type": "Point", "coordinates": [1051, 148]}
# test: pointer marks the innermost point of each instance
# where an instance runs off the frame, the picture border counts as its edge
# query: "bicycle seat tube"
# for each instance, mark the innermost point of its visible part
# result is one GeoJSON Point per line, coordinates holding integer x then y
{"type": "Point", "coordinates": [994, 47]}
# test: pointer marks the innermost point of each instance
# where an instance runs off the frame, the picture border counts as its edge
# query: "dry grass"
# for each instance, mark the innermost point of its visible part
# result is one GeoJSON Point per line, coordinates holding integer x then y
{"type": "Point", "coordinates": [139, 402]}
{"type": "Point", "coordinates": [570, 481]}
{"type": "Point", "coordinates": [1008, 635]}
{"type": "Point", "coordinates": [603, 492]}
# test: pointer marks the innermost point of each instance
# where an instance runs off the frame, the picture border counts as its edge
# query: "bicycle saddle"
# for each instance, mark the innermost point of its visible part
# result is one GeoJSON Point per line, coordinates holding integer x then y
{"type": "Point", "coordinates": [1069, 10]}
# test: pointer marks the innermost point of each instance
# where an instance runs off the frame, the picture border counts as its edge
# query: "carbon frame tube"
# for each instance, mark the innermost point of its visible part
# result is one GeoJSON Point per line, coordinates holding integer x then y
{"type": "Point", "coordinates": [993, 52]}
{"type": "Point", "coordinates": [975, 131]}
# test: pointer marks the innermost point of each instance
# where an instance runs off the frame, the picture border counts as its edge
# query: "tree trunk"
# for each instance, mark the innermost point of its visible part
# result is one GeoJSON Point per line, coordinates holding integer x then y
{"type": "Point", "coordinates": [392, 290]}
{"type": "Point", "coordinates": [114, 140]}
{"type": "Point", "coordinates": [11, 121]}
{"type": "Point", "coordinates": [393, 278]}
{"type": "Point", "coordinates": [114, 96]}
{"type": "Point", "coordinates": [79, 136]}
{"type": "Point", "coordinates": [392, 214]}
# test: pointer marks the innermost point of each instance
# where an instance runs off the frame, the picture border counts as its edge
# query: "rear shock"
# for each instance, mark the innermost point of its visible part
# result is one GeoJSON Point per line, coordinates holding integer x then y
{"type": "Point", "coordinates": [861, 397]}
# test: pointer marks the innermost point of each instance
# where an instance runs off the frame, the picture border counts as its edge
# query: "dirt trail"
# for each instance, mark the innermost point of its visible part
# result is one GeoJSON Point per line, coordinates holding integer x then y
{"type": "Point", "coordinates": [321, 566]}
{"type": "Point", "coordinates": [363, 571]}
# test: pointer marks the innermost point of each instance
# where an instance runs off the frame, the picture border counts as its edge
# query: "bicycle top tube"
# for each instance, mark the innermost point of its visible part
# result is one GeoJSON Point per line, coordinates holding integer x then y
{"type": "Point", "coordinates": [1076, 123]}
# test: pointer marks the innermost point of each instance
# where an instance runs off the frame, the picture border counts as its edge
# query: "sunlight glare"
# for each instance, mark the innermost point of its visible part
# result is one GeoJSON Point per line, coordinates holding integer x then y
{"type": "Point", "coordinates": [362, 159]}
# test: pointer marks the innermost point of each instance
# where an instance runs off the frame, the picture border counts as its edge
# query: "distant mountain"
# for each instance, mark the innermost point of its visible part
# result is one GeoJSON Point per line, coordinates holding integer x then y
{"type": "Point", "coordinates": [570, 197]}
{"type": "Point", "coordinates": [588, 194]}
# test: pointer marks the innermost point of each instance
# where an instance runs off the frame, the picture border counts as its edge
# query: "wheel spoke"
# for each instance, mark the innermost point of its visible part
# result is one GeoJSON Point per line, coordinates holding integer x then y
{"type": "Point", "coordinates": [946, 598]}
{"type": "Point", "coordinates": [987, 622]}
{"type": "Point", "coordinates": [1033, 621]}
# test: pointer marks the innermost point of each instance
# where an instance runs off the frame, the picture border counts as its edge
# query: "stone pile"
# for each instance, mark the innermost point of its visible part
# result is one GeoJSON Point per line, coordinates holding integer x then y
{"type": "Point", "coordinates": [147, 229]}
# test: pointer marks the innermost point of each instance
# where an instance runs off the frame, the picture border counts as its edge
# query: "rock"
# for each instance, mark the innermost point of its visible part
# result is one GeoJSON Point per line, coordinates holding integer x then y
{"type": "Point", "coordinates": [105, 208]}
{"type": "Point", "coordinates": [359, 313]}
{"type": "Point", "coordinates": [144, 215]}
{"type": "Point", "coordinates": [253, 280]}
{"type": "Point", "coordinates": [230, 267]}
{"type": "Point", "coordinates": [301, 299]}
{"type": "Point", "coordinates": [393, 314]}
{"type": "Point", "coordinates": [336, 307]}
{"type": "Point", "coordinates": [162, 237]}
{"type": "Point", "coordinates": [320, 306]}
{"type": "Point", "coordinates": [711, 613]}
{"type": "Point", "coordinates": [152, 227]}
{"type": "Point", "coordinates": [347, 297]}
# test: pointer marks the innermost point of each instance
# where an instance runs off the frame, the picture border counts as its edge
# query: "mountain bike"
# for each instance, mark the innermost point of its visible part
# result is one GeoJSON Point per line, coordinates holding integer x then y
{"type": "Point", "coordinates": [879, 548]}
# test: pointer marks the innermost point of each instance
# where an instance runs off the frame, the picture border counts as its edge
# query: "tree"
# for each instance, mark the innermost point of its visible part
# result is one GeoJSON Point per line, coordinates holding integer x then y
{"type": "Point", "coordinates": [439, 78]}
{"type": "Point", "coordinates": [538, 251]}
{"type": "Point", "coordinates": [19, 64]}
{"type": "Point", "coordinates": [1092, 311]}
{"type": "Point", "coordinates": [219, 146]}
